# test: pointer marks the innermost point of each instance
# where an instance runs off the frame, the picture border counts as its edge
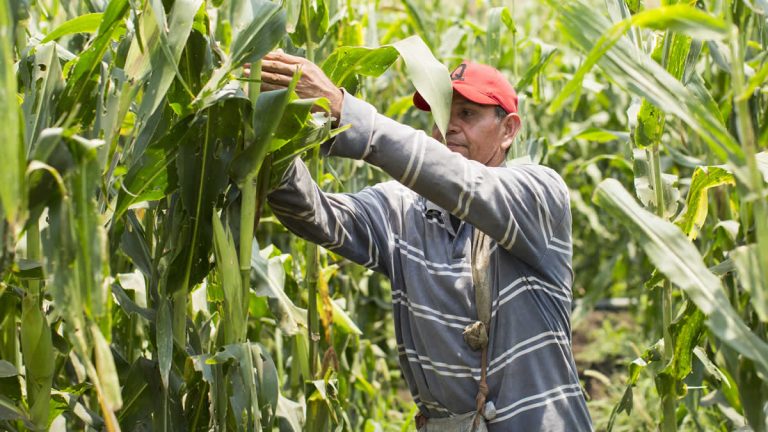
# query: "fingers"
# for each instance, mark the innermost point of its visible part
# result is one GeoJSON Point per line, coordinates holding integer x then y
{"type": "Point", "coordinates": [276, 78]}
{"type": "Point", "coordinates": [280, 56]}
{"type": "Point", "coordinates": [265, 87]}
{"type": "Point", "coordinates": [279, 67]}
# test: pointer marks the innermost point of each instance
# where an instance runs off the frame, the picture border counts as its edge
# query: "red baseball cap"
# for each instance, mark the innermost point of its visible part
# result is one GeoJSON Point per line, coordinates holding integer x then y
{"type": "Point", "coordinates": [480, 84]}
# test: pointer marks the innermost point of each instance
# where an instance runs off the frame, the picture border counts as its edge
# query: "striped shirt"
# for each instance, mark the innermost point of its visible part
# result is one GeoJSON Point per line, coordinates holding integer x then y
{"type": "Point", "coordinates": [403, 229]}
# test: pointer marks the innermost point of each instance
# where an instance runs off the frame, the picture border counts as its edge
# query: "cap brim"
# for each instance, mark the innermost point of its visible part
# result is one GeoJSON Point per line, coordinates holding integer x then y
{"type": "Point", "coordinates": [460, 87]}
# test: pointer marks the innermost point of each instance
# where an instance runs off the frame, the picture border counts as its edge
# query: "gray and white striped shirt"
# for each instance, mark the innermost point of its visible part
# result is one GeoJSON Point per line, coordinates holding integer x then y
{"type": "Point", "coordinates": [402, 229]}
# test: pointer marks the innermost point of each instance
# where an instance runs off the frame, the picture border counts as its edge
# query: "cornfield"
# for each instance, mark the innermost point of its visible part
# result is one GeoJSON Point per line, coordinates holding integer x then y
{"type": "Point", "coordinates": [146, 285]}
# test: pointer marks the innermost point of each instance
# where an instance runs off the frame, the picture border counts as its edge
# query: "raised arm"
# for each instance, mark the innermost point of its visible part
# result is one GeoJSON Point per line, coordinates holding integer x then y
{"type": "Point", "coordinates": [524, 207]}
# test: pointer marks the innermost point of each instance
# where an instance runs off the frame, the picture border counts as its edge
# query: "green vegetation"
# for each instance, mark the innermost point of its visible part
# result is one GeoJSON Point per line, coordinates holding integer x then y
{"type": "Point", "coordinates": [146, 286]}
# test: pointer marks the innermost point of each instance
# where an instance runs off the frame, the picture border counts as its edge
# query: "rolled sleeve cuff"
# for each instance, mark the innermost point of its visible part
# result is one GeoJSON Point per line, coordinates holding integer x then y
{"type": "Point", "coordinates": [355, 142]}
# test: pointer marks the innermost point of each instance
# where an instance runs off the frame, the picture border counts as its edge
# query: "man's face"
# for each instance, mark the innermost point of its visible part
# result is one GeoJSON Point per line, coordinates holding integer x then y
{"type": "Point", "coordinates": [476, 131]}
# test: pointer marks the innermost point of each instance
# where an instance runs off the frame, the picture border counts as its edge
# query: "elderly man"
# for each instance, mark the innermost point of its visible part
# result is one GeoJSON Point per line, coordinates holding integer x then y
{"type": "Point", "coordinates": [419, 232]}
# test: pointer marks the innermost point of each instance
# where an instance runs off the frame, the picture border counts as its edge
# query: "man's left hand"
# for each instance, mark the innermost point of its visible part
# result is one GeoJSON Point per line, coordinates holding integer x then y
{"type": "Point", "coordinates": [277, 69]}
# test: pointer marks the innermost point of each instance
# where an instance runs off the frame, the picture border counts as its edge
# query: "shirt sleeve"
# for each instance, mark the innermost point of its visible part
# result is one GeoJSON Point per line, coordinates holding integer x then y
{"type": "Point", "coordinates": [524, 207]}
{"type": "Point", "coordinates": [357, 226]}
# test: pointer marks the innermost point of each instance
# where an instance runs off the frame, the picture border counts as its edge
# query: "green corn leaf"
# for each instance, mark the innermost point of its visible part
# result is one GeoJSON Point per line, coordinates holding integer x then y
{"type": "Point", "coordinates": [9, 410]}
{"type": "Point", "coordinates": [418, 22]}
{"type": "Point", "coordinates": [92, 257]}
{"type": "Point", "coordinates": [7, 369]}
{"type": "Point", "coordinates": [43, 82]}
{"type": "Point", "coordinates": [234, 315]}
{"type": "Point", "coordinates": [252, 43]}
{"type": "Point", "coordinates": [430, 77]}
{"type": "Point", "coordinates": [164, 340]}
{"type": "Point", "coordinates": [493, 48]}
{"type": "Point", "coordinates": [137, 60]}
{"type": "Point", "coordinates": [312, 23]}
{"type": "Point", "coordinates": [686, 332]}
{"type": "Point", "coordinates": [345, 64]}
{"type": "Point", "coordinates": [757, 80]}
{"type": "Point", "coordinates": [680, 18]}
{"type": "Point", "coordinates": [750, 275]}
{"type": "Point", "coordinates": [78, 93]}
{"type": "Point", "coordinates": [697, 203]}
{"type": "Point", "coordinates": [202, 159]}
{"type": "Point", "coordinates": [165, 55]}
{"type": "Point", "coordinates": [267, 114]}
{"type": "Point", "coordinates": [710, 367]}
{"type": "Point", "coordinates": [546, 55]}
{"type": "Point", "coordinates": [37, 349]}
{"type": "Point", "coordinates": [641, 76]}
{"type": "Point", "coordinates": [12, 195]}
{"type": "Point", "coordinates": [292, 413]}
{"type": "Point", "coordinates": [675, 256]}
{"type": "Point", "coordinates": [260, 35]}
{"type": "Point", "coordinates": [105, 368]}
{"type": "Point", "coordinates": [129, 306]}
{"type": "Point", "coordinates": [268, 388]}
{"type": "Point", "coordinates": [268, 277]}
{"type": "Point", "coordinates": [87, 23]}
{"type": "Point", "coordinates": [153, 175]}
{"type": "Point", "coordinates": [292, 14]}
{"type": "Point", "coordinates": [60, 250]}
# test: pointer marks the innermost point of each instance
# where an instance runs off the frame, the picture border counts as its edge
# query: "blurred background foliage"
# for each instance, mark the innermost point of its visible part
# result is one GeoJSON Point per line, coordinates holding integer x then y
{"type": "Point", "coordinates": [136, 157]}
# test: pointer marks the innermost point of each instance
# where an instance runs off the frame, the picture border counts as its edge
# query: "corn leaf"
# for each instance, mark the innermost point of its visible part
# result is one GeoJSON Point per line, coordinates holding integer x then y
{"type": "Point", "coordinates": [252, 43]}
{"type": "Point", "coordinates": [429, 76]}
{"type": "Point", "coordinates": [268, 277]}
{"type": "Point", "coordinates": [234, 315]}
{"type": "Point", "coordinates": [493, 48]}
{"type": "Point", "coordinates": [43, 82]}
{"type": "Point", "coordinates": [164, 341]}
{"type": "Point", "coordinates": [37, 348]}
{"type": "Point", "coordinates": [202, 159]}
{"type": "Point", "coordinates": [267, 114]}
{"type": "Point", "coordinates": [78, 93]}
{"type": "Point", "coordinates": [153, 175]}
{"type": "Point", "coordinates": [92, 257]}
{"type": "Point", "coordinates": [675, 256]}
{"type": "Point", "coordinates": [750, 274]}
{"type": "Point", "coordinates": [165, 55]}
{"type": "Point", "coordinates": [87, 23]}
{"type": "Point", "coordinates": [697, 204]}
{"type": "Point", "coordinates": [345, 64]}
{"type": "Point", "coordinates": [7, 369]}
{"type": "Point", "coordinates": [12, 149]}
{"type": "Point", "coordinates": [641, 76]}
{"type": "Point", "coordinates": [105, 368]}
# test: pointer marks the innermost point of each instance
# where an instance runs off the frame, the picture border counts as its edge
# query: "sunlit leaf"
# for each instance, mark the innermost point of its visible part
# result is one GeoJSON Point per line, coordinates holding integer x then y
{"type": "Point", "coordinates": [430, 78]}
{"type": "Point", "coordinates": [12, 150]}
{"type": "Point", "coordinates": [87, 23]}
{"type": "Point", "coordinates": [673, 254]}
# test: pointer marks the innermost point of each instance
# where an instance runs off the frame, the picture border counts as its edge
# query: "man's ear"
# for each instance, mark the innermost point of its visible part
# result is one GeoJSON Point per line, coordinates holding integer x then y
{"type": "Point", "coordinates": [511, 126]}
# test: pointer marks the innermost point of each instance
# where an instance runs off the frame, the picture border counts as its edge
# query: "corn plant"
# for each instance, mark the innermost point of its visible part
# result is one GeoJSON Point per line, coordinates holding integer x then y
{"type": "Point", "coordinates": [145, 284]}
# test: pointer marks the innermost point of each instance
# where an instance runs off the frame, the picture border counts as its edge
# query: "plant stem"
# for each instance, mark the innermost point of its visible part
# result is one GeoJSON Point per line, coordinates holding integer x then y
{"type": "Point", "coordinates": [312, 263]}
{"type": "Point", "coordinates": [34, 253]}
{"type": "Point", "coordinates": [248, 195]}
{"type": "Point", "coordinates": [754, 178]}
{"type": "Point", "coordinates": [312, 253]}
{"type": "Point", "coordinates": [668, 399]}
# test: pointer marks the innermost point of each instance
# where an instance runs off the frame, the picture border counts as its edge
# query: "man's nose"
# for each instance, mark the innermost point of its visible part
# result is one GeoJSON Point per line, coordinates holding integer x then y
{"type": "Point", "coordinates": [452, 127]}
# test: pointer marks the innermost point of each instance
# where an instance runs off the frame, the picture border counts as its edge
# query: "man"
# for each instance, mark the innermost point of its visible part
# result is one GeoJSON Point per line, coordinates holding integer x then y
{"type": "Point", "coordinates": [418, 231]}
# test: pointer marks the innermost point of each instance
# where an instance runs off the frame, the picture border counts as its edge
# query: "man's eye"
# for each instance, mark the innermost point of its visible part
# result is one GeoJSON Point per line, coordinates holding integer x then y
{"type": "Point", "coordinates": [466, 112]}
